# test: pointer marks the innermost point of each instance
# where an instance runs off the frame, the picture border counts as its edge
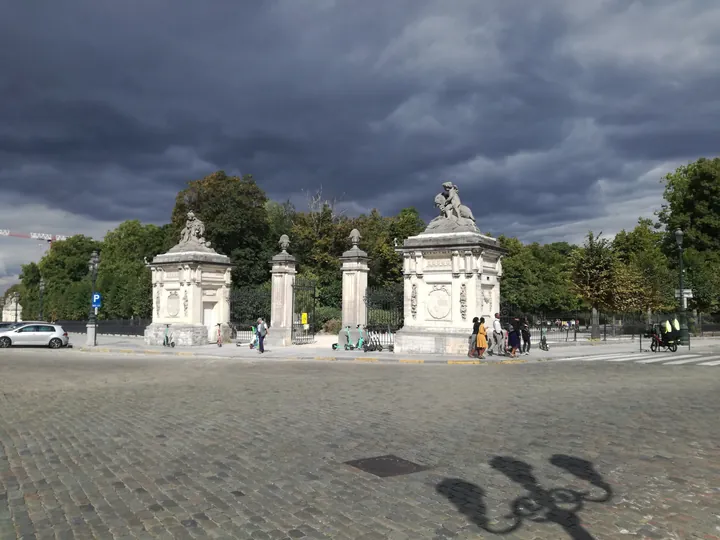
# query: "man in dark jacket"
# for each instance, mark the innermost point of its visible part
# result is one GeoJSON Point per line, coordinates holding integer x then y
{"type": "Point", "coordinates": [525, 330]}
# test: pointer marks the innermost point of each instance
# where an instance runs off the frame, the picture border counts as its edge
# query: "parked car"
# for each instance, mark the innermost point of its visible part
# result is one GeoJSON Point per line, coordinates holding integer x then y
{"type": "Point", "coordinates": [34, 334]}
{"type": "Point", "coordinates": [5, 326]}
{"type": "Point", "coordinates": [10, 325]}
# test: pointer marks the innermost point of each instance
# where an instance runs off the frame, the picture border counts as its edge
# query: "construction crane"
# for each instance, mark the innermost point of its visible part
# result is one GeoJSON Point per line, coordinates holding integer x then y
{"type": "Point", "coordinates": [49, 238]}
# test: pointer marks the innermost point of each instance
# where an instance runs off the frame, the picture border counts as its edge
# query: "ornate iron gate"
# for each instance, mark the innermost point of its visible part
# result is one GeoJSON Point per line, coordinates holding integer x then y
{"type": "Point", "coordinates": [303, 325]}
{"type": "Point", "coordinates": [247, 304]}
{"type": "Point", "coordinates": [385, 312]}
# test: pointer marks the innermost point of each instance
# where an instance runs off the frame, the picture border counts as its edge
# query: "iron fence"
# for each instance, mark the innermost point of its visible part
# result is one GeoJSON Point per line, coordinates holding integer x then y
{"type": "Point", "coordinates": [303, 323]}
{"type": "Point", "coordinates": [117, 327]}
{"type": "Point", "coordinates": [247, 305]}
{"type": "Point", "coordinates": [385, 313]}
{"type": "Point", "coordinates": [572, 326]}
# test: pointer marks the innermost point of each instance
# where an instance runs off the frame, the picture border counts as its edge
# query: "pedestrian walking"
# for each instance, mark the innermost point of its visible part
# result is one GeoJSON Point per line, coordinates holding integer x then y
{"type": "Point", "coordinates": [514, 338]}
{"type": "Point", "coordinates": [472, 343]}
{"type": "Point", "coordinates": [498, 338]}
{"type": "Point", "coordinates": [525, 330]}
{"type": "Point", "coordinates": [262, 331]}
{"type": "Point", "coordinates": [481, 342]}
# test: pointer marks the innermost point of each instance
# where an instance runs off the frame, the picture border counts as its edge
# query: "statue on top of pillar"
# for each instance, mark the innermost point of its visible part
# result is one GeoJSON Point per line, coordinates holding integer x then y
{"type": "Point", "coordinates": [192, 237]}
{"type": "Point", "coordinates": [454, 216]}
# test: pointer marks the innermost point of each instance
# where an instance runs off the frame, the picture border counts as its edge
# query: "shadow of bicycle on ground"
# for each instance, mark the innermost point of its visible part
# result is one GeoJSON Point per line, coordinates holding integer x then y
{"type": "Point", "coordinates": [559, 506]}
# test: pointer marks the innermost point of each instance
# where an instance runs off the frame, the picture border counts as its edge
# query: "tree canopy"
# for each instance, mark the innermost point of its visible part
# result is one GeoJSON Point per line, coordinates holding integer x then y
{"type": "Point", "coordinates": [692, 204]}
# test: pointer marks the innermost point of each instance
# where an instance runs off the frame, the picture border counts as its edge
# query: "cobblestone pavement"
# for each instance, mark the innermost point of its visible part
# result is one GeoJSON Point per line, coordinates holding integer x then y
{"type": "Point", "coordinates": [136, 447]}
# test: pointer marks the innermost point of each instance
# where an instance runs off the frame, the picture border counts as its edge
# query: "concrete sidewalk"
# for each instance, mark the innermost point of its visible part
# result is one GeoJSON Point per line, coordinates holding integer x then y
{"type": "Point", "coordinates": [322, 352]}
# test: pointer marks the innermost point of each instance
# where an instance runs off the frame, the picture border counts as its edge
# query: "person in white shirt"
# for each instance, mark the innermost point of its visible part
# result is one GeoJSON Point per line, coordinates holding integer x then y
{"type": "Point", "coordinates": [497, 335]}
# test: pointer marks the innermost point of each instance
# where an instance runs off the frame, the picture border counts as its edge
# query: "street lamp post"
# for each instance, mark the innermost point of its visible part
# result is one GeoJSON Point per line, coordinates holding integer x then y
{"type": "Point", "coordinates": [92, 318]}
{"type": "Point", "coordinates": [42, 290]}
{"type": "Point", "coordinates": [684, 333]}
{"type": "Point", "coordinates": [16, 299]}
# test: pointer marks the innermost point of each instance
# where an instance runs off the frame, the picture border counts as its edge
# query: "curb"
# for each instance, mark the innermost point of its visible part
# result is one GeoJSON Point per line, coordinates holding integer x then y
{"type": "Point", "coordinates": [340, 359]}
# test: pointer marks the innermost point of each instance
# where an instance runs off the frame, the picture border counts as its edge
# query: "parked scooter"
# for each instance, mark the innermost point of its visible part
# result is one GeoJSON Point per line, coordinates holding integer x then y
{"type": "Point", "coordinates": [361, 338]}
{"type": "Point", "coordinates": [373, 341]}
{"type": "Point", "coordinates": [348, 346]}
{"type": "Point", "coordinates": [168, 339]}
{"type": "Point", "coordinates": [543, 340]}
{"type": "Point", "coordinates": [255, 341]}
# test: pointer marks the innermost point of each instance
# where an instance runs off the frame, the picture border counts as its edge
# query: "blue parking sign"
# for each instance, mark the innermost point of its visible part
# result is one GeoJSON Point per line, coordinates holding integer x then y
{"type": "Point", "coordinates": [96, 300]}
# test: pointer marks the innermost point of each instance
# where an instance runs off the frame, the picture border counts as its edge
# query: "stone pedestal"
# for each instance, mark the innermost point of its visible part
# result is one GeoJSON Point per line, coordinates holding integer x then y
{"type": "Point", "coordinates": [283, 270]}
{"type": "Point", "coordinates": [449, 279]}
{"type": "Point", "coordinates": [90, 338]}
{"type": "Point", "coordinates": [191, 291]}
{"type": "Point", "coordinates": [354, 284]}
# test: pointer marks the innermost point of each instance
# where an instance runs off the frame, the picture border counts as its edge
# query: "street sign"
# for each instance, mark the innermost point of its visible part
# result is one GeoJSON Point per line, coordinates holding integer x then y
{"type": "Point", "coordinates": [96, 300]}
{"type": "Point", "coordinates": [687, 293]}
{"type": "Point", "coordinates": [304, 318]}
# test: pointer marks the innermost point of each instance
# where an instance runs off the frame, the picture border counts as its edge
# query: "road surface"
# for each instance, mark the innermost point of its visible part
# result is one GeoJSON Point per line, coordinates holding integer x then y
{"type": "Point", "coordinates": [102, 446]}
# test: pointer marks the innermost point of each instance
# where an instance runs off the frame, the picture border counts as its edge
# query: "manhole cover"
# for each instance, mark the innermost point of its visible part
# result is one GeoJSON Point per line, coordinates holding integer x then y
{"type": "Point", "coordinates": [386, 466]}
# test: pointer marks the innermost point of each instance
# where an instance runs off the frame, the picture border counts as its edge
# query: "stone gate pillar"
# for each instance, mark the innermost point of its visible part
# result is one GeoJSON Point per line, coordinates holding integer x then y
{"type": "Point", "coordinates": [354, 283]}
{"type": "Point", "coordinates": [452, 273]}
{"type": "Point", "coordinates": [281, 308]}
{"type": "Point", "coordinates": [191, 285]}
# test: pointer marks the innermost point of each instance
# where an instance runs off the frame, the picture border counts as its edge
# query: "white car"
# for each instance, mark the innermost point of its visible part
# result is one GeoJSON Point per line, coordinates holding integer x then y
{"type": "Point", "coordinates": [35, 334]}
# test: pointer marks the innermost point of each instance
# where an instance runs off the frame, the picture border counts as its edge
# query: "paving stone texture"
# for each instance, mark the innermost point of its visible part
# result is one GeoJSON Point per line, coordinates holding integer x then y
{"type": "Point", "coordinates": [136, 447]}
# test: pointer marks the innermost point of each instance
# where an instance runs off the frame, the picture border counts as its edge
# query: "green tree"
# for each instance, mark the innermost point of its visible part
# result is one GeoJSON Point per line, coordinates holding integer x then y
{"type": "Point", "coordinates": [642, 251]}
{"type": "Point", "coordinates": [380, 234]}
{"type": "Point", "coordinates": [318, 239]}
{"type": "Point", "coordinates": [536, 277]}
{"type": "Point", "coordinates": [629, 293]}
{"type": "Point", "coordinates": [123, 278]}
{"type": "Point", "coordinates": [702, 276]}
{"type": "Point", "coordinates": [64, 268]}
{"type": "Point", "coordinates": [280, 220]}
{"type": "Point", "coordinates": [30, 291]}
{"type": "Point", "coordinates": [692, 203]}
{"type": "Point", "coordinates": [235, 215]}
{"type": "Point", "coordinates": [593, 272]}
{"type": "Point", "coordinates": [692, 195]}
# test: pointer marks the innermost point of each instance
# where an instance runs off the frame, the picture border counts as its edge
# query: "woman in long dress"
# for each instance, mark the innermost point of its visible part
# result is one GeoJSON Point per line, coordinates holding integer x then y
{"type": "Point", "coordinates": [514, 338]}
{"type": "Point", "coordinates": [482, 338]}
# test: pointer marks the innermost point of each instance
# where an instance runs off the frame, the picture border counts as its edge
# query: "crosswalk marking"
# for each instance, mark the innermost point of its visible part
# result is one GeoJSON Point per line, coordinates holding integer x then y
{"type": "Point", "coordinates": [680, 362]}
{"type": "Point", "coordinates": [627, 358]}
{"type": "Point", "coordinates": [665, 359]}
{"type": "Point", "coordinates": [648, 358]}
{"type": "Point", "coordinates": [601, 357]}
{"type": "Point", "coordinates": [712, 362]}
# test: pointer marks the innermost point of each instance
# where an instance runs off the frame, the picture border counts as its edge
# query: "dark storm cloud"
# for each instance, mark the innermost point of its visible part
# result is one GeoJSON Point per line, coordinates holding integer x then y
{"type": "Point", "coordinates": [543, 113]}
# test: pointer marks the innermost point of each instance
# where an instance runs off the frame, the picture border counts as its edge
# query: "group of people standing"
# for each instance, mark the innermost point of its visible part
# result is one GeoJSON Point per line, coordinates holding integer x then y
{"type": "Point", "coordinates": [517, 334]}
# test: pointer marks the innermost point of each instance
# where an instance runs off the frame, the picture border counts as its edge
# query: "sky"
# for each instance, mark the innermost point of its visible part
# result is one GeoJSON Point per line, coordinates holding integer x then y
{"type": "Point", "coordinates": [553, 117]}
